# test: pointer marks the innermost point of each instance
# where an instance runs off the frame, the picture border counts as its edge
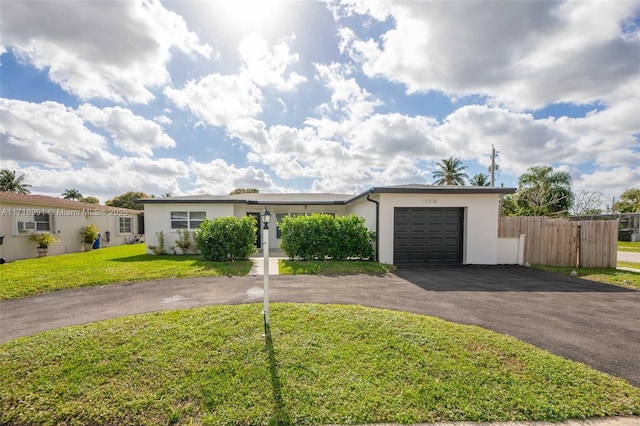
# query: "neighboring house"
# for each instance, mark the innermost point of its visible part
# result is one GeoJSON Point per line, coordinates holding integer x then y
{"type": "Point", "coordinates": [629, 224]}
{"type": "Point", "coordinates": [414, 224]}
{"type": "Point", "coordinates": [22, 214]}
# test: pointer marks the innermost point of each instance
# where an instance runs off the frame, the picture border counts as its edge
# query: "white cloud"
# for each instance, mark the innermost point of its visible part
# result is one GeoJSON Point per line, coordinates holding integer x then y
{"type": "Point", "coordinates": [524, 141]}
{"type": "Point", "coordinates": [50, 134]}
{"type": "Point", "coordinates": [610, 182]}
{"type": "Point", "coordinates": [162, 119]}
{"type": "Point", "coordinates": [234, 100]}
{"type": "Point", "coordinates": [113, 50]}
{"type": "Point", "coordinates": [58, 151]}
{"type": "Point", "coordinates": [122, 175]}
{"type": "Point", "coordinates": [219, 177]}
{"type": "Point", "coordinates": [348, 99]}
{"type": "Point", "coordinates": [265, 68]}
{"type": "Point", "coordinates": [132, 133]}
{"type": "Point", "coordinates": [523, 54]}
{"type": "Point", "coordinates": [220, 100]}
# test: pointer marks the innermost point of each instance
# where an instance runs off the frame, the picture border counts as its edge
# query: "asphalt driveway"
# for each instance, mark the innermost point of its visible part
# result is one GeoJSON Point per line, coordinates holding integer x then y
{"type": "Point", "coordinates": [593, 323]}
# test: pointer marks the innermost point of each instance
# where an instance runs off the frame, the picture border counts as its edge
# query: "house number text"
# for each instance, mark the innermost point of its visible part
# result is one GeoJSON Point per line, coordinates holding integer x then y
{"type": "Point", "coordinates": [430, 201]}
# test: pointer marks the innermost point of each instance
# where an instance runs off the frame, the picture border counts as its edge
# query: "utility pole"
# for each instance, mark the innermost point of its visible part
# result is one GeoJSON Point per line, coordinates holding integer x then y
{"type": "Point", "coordinates": [494, 166]}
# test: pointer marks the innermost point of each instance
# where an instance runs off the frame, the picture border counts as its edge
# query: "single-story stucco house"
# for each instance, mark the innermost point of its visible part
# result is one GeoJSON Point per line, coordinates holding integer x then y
{"type": "Point", "coordinates": [23, 214]}
{"type": "Point", "coordinates": [414, 224]}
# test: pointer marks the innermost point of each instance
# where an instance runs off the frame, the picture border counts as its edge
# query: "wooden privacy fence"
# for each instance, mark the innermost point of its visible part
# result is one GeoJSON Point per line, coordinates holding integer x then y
{"type": "Point", "coordinates": [559, 242]}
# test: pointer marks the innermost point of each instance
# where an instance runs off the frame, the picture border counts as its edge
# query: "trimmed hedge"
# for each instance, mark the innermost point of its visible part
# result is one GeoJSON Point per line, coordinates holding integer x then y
{"type": "Point", "coordinates": [226, 238]}
{"type": "Point", "coordinates": [322, 236]}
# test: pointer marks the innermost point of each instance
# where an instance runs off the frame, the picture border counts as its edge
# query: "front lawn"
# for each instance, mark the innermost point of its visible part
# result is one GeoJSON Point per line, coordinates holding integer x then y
{"type": "Point", "coordinates": [629, 246]}
{"type": "Point", "coordinates": [332, 267]}
{"type": "Point", "coordinates": [105, 266]}
{"type": "Point", "coordinates": [321, 364]}
{"type": "Point", "coordinates": [610, 276]}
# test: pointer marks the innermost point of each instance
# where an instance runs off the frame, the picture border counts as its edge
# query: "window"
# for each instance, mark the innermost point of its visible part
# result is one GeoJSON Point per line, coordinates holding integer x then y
{"type": "Point", "coordinates": [187, 220]}
{"type": "Point", "coordinates": [279, 217]}
{"type": "Point", "coordinates": [196, 219]}
{"type": "Point", "coordinates": [40, 222]}
{"type": "Point", "coordinates": [125, 225]}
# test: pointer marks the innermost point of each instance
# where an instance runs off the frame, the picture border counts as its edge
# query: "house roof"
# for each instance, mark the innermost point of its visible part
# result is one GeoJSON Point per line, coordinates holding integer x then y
{"type": "Point", "coordinates": [290, 198]}
{"type": "Point", "coordinates": [295, 198]}
{"type": "Point", "coordinates": [44, 200]}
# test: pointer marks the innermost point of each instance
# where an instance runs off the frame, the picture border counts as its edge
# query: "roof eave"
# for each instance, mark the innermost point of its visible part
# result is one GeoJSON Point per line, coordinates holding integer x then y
{"type": "Point", "coordinates": [443, 190]}
{"type": "Point", "coordinates": [236, 201]}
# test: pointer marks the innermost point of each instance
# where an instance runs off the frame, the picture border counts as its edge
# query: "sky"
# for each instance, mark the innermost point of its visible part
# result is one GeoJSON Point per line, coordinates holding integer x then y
{"type": "Point", "coordinates": [202, 97]}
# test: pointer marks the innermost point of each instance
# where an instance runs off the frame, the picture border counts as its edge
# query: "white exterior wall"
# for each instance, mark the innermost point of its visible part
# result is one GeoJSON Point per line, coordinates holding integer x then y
{"type": "Point", "coordinates": [65, 224]}
{"type": "Point", "coordinates": [157, 217]}
{"type": "Point", "coordinates": [511, 250]}
{"type": "Point", "coordinates": [366, 209]}
{"type": "Point", "coordinates": [480, 234]}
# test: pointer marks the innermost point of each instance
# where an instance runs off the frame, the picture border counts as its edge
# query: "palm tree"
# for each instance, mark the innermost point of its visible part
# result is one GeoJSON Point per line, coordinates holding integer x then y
{"type": "Point", "coordinates": [542, 191]}
{"type": "Point", "coordinates": [479, 180]}
{"type": "Point", "coordinates": [450, 172]}
{"type": "Point", "coordinates": [10, 183]}
{"type": "Point", "coordinates": [71, 194]}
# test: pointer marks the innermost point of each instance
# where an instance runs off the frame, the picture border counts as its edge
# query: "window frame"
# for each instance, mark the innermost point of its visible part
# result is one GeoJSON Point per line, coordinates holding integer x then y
{"type": "Point", "coordinates": [186, 219]}
{"type": "Point", "coordinates": [38, 223]}
{"type": "Point", "coordinates": [121, 221]}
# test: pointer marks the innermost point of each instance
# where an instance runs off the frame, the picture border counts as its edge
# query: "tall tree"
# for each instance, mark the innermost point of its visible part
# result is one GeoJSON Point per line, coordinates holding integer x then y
{"type": "Point", "coordinates": [128, 200]}
{"type": "Point", "coordinates": [586, 203]}
{"type": "Point", "coordinates": [244, 191]}
{"type": "Point", "coordinates": [71, 194]}
{"type": "Point", "coordinates": [450, 172]}
{"type": "Point", "coordinates": [479, 180]}
{"type": "Point", "coordinates": [10, 183]}
{"type": "Point", "coordinates": [544, 192]}
{"type": "Point", "coordinates": [629, 201]}
{"type": "Point", "coordinates": [90, 200]}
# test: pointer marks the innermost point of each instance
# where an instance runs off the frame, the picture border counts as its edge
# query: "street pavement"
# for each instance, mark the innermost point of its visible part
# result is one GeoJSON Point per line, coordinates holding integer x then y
{"type": "Point", "coordinates": [629, 256]}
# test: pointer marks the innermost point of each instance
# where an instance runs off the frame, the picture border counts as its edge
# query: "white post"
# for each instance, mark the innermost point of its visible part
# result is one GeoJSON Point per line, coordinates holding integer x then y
{"type": "Point", "coordinates": [265, 251]}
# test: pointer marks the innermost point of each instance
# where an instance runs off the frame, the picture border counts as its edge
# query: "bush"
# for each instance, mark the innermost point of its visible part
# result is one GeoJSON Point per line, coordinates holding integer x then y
{"type": "Point", "coordinates": [89, 233]}
{"type": "Point", "coordinates": [159, 249]}
{"type": "Point", "coordinates": [322, 236]}
{"type": "Point", "coordinates": [184, 240]}
{"type": "Point", "coordinates": [43, 239]}
{"type": "Point", "coordinates": [227, 238]}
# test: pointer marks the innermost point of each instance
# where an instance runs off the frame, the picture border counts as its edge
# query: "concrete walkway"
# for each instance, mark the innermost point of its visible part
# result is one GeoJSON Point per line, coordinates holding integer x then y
{"type": "Point", "coordinates": [258, 265]}
{"type": "Point", "coordinates": [629, 256]}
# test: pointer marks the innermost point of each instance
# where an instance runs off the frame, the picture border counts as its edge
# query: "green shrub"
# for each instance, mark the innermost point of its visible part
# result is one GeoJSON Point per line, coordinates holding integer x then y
{"type": "Point", "coordinates": [159, 249]}
{"type": "Point", "coordinates": [184, 241]}
{"type": "Point", "coordinates": [89, 233]}
{"type": "Point", "coordinates": [43, 239]}
{"type": "Point", "coordinates": [226, 238]}
{"type": "Point", "coordinates": [322, 236]}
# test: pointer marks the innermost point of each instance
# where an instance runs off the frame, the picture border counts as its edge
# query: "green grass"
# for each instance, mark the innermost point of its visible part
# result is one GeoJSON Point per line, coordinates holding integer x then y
{"type": "Point", "coordinates": [617, 277]}
{"type": "Point", "coordinates": [629, 265]}
{"type": "Point", "coordinates": [332, 267]}
{"type": "Point", "coordinates": [105, 266]}
{"type": "Point", "coordinates": [629, 246]}
{"type": "Point", "coordinates": [320, 364]}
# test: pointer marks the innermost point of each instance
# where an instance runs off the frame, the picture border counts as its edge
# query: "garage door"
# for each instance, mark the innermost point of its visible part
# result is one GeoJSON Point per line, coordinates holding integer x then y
{"type": "Point", "coordinates": [427, 235]}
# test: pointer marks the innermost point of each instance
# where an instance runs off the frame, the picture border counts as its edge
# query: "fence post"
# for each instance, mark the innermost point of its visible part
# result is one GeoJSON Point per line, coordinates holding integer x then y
{"type": "Point", "coordinates": [579, 246]}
